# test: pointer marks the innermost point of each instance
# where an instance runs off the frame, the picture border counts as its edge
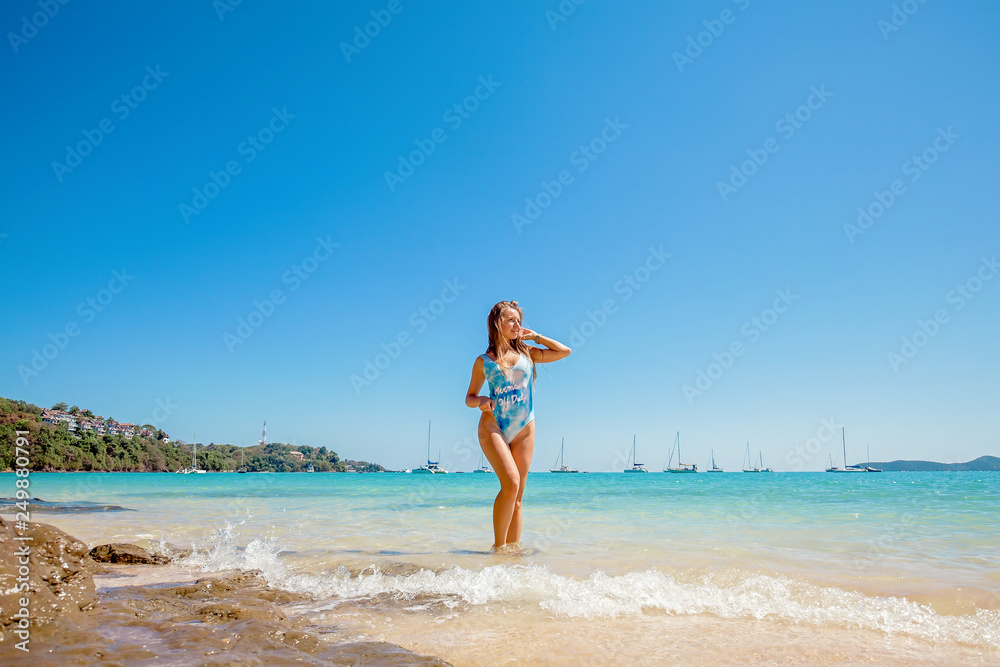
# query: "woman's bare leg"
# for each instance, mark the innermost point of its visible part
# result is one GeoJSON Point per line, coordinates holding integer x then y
{"type": "Point", "coordinates": [522, 448]}
{"type": "Point", "coordinates": [499, 455]}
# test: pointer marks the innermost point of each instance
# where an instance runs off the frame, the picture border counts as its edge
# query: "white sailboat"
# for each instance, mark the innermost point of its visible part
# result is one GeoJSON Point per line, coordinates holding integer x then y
{"type": "Point", "coordinates": [846, 468]}
{"type": "Point", "coordinates": [759, 466]}
{"type": "Point", "coordinates": [560, 462]}
{"type": "Point", "coordinates": [681, 467]}
{"type": "Point", "coordinates": [635, 467]}
{"type": "Point", "coordinates": [432, 467]}
{"type": "Point", "coordinates": [713, 467]}
{"type": "Point", "coordinates": [243, 467]}
{"type": "Point", "coordinates": [194, 459]}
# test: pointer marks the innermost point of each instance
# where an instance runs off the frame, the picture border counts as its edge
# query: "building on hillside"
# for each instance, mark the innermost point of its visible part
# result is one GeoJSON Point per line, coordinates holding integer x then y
{"type": "Point", "coordinates": [96, 424]}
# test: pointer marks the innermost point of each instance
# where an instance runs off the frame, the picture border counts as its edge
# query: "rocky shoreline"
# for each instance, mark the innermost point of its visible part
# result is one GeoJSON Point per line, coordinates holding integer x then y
{"type": "Point", "coordinates": [229, 619]}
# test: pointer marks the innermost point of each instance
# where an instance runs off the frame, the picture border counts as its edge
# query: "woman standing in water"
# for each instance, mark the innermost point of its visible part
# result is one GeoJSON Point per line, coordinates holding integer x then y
{"type": "Point", "coordinates": [507, 425]}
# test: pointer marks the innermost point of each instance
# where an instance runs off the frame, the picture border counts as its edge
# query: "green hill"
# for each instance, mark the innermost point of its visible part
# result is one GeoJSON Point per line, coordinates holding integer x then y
{"type": "Point", "coordinates": [983, 463]}
{"type": "Point", "coordinates": [54, 448]}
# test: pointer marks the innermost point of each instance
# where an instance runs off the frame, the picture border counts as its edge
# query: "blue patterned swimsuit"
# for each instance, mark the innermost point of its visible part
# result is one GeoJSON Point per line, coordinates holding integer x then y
{"type": "Point", "coordinates": [511, 394]}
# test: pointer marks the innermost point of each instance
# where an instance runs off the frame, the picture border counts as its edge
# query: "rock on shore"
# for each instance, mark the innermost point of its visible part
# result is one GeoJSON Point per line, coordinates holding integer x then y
{"type": "Point", "coordinates": [56, 583]}
{"type": "Point", "coordinates": [225, 620]}
{"type": "Point", "coordinates": [125, 553]}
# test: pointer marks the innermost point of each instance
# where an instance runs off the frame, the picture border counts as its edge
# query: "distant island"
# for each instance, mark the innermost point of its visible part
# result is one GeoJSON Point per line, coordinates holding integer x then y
{"type": "Point", "coordinates": [982, 464]}
{"type": "Point", "coordinates": [68, 439]}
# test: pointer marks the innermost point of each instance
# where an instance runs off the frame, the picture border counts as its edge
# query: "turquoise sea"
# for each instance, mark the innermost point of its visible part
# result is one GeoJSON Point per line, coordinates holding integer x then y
{"type": "Point", "coordinates": [614, 568]}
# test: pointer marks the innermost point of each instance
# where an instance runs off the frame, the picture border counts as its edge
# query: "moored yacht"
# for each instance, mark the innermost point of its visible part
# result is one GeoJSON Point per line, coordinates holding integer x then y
{"type": "Point", "coordinates": [560, 462]}
{"type": "Point", "coordinates": [635, 467]}
{"type": "Point", "coordinates": [432, 467]}
{"type": "Point", "coordinates": [681, 467]}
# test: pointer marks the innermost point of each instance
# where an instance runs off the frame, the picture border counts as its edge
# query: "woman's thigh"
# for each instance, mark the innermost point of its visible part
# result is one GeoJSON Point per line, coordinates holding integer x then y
{"type": "Point", "coordinates": [497, 452]}
{"type": "Point", "coordinates": [522, 448]}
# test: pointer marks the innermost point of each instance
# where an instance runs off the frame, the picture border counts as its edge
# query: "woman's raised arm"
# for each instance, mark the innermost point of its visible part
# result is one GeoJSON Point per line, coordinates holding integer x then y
{"type": "Point", "coordinates": [555, 351]}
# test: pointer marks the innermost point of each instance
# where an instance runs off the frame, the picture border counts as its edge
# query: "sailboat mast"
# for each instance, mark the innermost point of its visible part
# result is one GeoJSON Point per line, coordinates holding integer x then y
{"type": "Point", "coordinates": [562, 453]}
{"type": "Point", "coordinates": [843, 439]}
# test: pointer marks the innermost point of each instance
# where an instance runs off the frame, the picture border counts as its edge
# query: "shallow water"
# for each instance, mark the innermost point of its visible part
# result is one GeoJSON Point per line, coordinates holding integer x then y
{"type": "Point", "coordinates": [890, 567]}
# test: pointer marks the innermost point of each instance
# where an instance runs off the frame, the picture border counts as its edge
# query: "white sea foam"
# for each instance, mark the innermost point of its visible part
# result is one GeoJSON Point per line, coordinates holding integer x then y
{"type": "Point", "coordinates": [731, 594]}
{"type": "Point", "coordinates": [221, 553]}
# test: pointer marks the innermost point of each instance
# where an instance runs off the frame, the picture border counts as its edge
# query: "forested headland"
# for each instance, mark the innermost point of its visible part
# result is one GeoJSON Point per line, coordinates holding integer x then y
{"type": "Point", "coordinates": [54, 448]}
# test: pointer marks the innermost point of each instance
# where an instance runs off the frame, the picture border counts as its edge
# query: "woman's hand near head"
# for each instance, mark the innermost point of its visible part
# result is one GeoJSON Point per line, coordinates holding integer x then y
{"type": "Point", "coordinates": [553, 350]}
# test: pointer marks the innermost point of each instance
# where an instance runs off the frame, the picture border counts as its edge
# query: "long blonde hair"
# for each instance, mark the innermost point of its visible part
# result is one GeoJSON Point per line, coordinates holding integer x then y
{"type": "Point", "coordinates": [499, 345]}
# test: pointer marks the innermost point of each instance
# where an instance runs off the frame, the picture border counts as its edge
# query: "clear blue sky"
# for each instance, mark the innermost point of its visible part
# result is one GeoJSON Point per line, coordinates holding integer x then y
{"type": "Point", "coordinates": [330, 121]}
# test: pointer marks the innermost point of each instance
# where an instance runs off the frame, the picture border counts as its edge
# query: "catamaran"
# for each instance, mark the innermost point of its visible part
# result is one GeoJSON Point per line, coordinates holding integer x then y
{"type": "Point", "coordinates": [681, 467]}
{"type": "Point", "coordinates": [759, 467]}
{"type": "Point", "coordinates": [560, 462]}
{"type": "Point", "coordinates": [432, 467]}
{"type": "Point", "coordinates": [483, 466]}
{"type": "Point", "coordinates": [846, 468]}
{"type": "Point", "coordinates": [636, 467]}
